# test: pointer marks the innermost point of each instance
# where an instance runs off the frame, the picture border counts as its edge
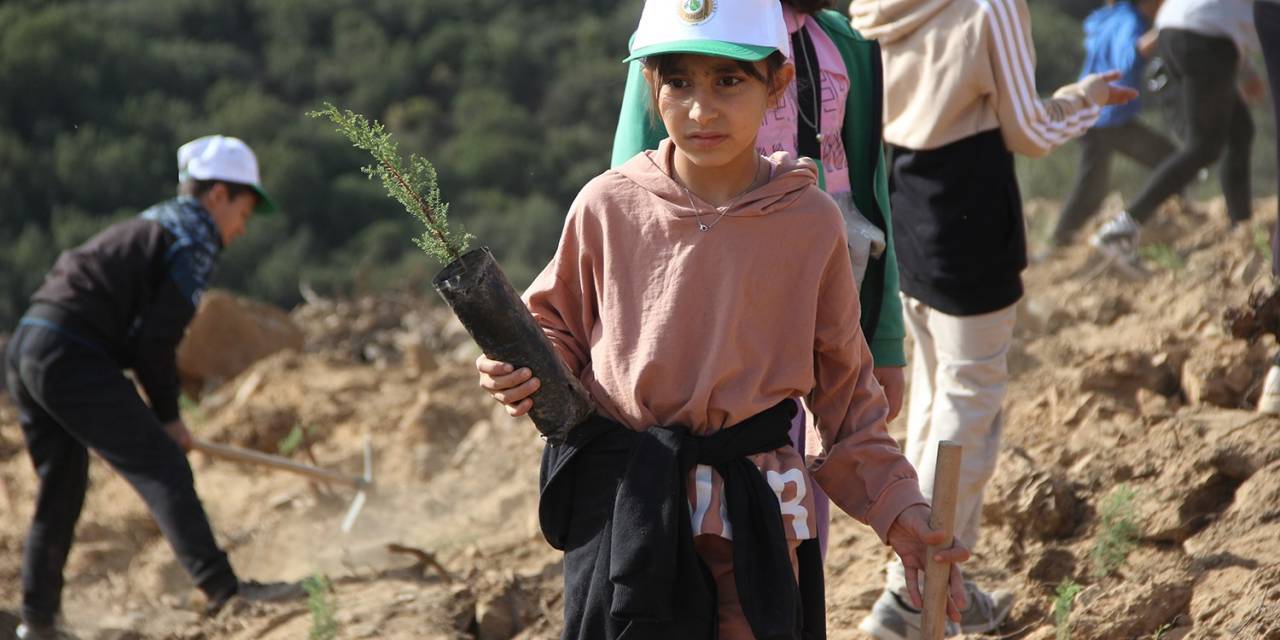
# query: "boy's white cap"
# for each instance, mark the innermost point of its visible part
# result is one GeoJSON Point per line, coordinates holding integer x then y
{"type": "Point", "coordinates": [746, 30]}
{"type": "Point", "coordinates": [223, 158]}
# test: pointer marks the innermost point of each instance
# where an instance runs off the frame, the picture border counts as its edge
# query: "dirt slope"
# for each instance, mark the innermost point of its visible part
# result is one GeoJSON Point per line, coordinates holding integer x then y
{"type": "Point", "coordinates": [1116, 385]}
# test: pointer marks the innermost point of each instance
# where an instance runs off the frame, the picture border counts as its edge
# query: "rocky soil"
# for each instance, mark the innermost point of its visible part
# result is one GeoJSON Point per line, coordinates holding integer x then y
{"type": "Point", "coordinates": [1129, 405]}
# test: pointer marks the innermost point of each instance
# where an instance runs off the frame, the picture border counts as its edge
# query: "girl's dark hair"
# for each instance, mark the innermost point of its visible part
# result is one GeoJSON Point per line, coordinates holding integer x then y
{"type": "Point", "coordinates": [664, 65]}
{"type": "Point", "coordinates": [197, 188]}
{"type": "Point", "coordinates": [808, 6]}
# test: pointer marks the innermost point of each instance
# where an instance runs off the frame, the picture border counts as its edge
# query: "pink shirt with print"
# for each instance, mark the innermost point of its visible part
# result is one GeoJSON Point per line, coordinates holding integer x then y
{"type": "Point", "coordinates": [779, 129]}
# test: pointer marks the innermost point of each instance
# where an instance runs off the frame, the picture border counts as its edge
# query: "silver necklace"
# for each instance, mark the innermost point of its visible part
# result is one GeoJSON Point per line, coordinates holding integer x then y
{"type": "Point", "coordinates": [808, 69]}
{"type": "Point", "coordinates": [722, 209]}
{"type": "Point", "coordinates": [702, 226]}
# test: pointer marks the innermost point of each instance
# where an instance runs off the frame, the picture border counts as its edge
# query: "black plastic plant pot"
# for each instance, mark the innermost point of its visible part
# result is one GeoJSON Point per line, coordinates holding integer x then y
{"type": "Point", "coordinates": [478, 292]}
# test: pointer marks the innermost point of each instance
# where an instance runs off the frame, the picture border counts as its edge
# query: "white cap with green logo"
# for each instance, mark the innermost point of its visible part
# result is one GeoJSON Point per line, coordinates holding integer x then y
{"type": "Point", "coordinates": [748, 30]}
{"type": "Point", "coordinates": [223, 158]}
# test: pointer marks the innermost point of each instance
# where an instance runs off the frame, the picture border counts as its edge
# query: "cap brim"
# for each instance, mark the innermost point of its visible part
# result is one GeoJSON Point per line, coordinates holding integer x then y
{"type": "Point", "coordinates": [716, 48]}
{"type": "Point", "coordinates": [265, 203]}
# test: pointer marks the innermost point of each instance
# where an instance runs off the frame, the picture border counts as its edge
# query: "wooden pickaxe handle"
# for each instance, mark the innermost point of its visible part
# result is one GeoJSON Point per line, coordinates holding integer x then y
{"type": "Point", "coordinates": [282, 463]}
{"type": "Point", "coordinates": [946, 480]}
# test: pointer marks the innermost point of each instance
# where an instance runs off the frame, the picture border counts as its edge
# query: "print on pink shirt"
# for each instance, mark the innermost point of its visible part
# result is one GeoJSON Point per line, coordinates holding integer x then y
{"type": "Point", "coordinates": [778, 131]}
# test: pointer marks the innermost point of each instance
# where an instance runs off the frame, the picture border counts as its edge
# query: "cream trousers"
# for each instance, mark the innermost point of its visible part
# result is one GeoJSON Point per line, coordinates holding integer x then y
{"type": "Point", "coordinates": [958, 380]}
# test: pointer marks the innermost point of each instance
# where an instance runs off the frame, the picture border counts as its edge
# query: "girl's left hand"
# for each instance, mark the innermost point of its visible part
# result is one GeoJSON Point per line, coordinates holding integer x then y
{"type": "Point", "coordinates": [910, 536]}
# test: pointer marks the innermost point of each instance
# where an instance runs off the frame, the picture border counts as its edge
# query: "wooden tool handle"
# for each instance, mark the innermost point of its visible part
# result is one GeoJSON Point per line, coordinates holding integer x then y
{"type": "Point", "coordinates": [282, 463]}
{"type": "Point", "coordinates": [946, 482]}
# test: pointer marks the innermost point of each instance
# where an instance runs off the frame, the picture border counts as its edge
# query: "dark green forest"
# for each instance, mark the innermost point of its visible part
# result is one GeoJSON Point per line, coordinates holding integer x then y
{"type": "Point", "coordinates": [514, 102]}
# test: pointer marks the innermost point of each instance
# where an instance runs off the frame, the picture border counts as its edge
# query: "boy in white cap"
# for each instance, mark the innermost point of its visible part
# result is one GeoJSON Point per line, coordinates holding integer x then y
{"type": "Point", "coordinates": [122, 300]}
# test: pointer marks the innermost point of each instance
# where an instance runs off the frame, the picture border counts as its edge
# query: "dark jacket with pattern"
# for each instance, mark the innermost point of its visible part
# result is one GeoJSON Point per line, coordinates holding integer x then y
{"type": "Point", "coordinates": [131, 290]}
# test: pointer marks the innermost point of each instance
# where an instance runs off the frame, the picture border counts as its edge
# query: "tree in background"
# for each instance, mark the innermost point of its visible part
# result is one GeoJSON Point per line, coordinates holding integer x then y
{"type": "Point", "coordinates": [96, 96]}
{"type": "Point", "coordinates": [513, 102]}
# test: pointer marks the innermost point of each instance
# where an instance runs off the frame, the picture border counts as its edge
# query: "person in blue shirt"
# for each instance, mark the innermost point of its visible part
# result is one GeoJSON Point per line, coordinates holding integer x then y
{"type": "Point", "coordinates": [1206, 46]}
{"type": "Point", "coordinates": [1112, 41]}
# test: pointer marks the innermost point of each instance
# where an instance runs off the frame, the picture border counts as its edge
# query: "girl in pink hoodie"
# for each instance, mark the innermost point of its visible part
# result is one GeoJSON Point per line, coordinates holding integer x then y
{"type": "Point", "coordinates": [696, 290]}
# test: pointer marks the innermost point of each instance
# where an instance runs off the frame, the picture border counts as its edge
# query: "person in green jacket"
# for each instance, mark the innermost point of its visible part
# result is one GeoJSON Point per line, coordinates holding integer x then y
{"type": "Point", "coordinates": [831, 112]}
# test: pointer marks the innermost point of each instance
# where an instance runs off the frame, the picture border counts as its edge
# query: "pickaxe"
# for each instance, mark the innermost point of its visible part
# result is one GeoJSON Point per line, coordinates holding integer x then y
{"type": "Point", "coordinates": [363, 484]}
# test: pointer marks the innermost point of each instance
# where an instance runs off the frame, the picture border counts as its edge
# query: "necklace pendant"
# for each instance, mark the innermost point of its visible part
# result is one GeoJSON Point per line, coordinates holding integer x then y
{"type": "Point", "coordinates": [703, 227]}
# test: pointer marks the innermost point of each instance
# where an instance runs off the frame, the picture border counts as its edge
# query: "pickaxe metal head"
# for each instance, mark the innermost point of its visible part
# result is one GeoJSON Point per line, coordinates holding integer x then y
{"type": "Point", "coordinates": [363, 484]}
{"type": "Point", "coordinates": [362, 495]}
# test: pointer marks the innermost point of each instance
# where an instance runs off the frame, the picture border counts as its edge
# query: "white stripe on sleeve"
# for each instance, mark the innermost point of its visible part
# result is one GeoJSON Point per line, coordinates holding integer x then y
{"type": "Point", "coordinates": [1016, 65]}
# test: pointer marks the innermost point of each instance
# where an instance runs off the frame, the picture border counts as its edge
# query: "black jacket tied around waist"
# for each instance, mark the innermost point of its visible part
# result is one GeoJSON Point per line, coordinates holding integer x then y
{"type": "Point", "coordinates": [614, 501]}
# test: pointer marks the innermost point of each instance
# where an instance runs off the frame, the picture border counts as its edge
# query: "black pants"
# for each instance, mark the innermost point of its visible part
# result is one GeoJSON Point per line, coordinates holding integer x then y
{"type": "Point", "coordinates": [72, 398]}
{"type": "Point", "coordinates": [1217, 120]}
{"type": "Point", "coordinates": [1093, 177]}
{"type": "Point", "coordinates": [1266, 17]}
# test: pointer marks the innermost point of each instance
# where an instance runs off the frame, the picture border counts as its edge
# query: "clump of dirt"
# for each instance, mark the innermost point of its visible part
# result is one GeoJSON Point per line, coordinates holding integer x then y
{"type": "Point", "coordinates": [227, 335]}
{"type": "Point", "coordinates": [1117, 384]}
{"type": "Point", "coordinates": [384, 331]}
{"type": "Point", "coordinates": [1033, 502]}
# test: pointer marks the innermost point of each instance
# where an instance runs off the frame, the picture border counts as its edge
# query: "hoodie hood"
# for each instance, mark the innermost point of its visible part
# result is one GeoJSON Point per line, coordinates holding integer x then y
{"type": "Point", "coordinates": [890, 20]}
{"type": "Point", "coordinates": [789, 177]}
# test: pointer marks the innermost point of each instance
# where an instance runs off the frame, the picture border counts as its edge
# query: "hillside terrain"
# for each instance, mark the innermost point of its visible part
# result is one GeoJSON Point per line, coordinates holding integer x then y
{"type": "Point", "coordinates": [1128, 404]}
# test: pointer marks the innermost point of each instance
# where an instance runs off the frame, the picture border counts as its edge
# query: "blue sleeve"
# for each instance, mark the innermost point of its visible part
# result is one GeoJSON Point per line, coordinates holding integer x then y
{"type": "Point", "coordinates": [185, 272]}
{"type": "Point", "coordinates": [1124, 50]}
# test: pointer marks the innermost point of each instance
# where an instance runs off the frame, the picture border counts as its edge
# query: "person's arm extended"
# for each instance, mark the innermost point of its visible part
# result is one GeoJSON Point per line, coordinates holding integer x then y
{"type": "Point", "coordinates": [1032, 126]}
{"type": "Point", "coordinates": [861, 467]}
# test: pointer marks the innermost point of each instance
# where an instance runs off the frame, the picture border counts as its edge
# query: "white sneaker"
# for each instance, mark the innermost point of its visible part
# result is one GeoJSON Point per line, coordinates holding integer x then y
{"type": "Point", "coordinates": [1117, 241]}
{"type": "Point", "coordinates": [1269, 401]}
{"type": "Point", "coordinates": [893, 619]}
{"type": "Point", "coordinates": [37, 632]}
{"type": "Point", "coordinates": [986, 611]}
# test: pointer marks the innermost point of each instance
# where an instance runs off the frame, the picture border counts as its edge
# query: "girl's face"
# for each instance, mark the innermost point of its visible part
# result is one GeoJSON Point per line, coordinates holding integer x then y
{"type": "Point", "coordinates": [712, 108]}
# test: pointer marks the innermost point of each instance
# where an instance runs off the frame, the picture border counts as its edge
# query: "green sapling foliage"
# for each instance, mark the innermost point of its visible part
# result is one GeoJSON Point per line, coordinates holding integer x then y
{"type": "Point", "coordinates": [413, 184]}
{"type": "Point", "coordinates": [1064, 598]}
{"type": "Point", "coordinates": [1117, 532]}
{"type": "Point", "coordinates": [320, 602]}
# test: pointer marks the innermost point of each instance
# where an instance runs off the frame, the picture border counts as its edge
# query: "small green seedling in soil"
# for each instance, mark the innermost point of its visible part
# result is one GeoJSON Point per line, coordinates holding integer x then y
{"type": "Point", "coordinates": [1065, 597]}
{"type": "Point", "coordinates": [1262, 242]}
{"type": "Point", "coordinates": [1117, 532]}
{"type": "Point", "coordinates": [190, 407]}
{"type": "Point", "coordinates": [1163, 255]}
{"type": "Point", "coordinates": [320, 603]}
{"type": "Point", "coordinates": [412, 183]}
{"type": "Point", "coordinates": [297, 436]}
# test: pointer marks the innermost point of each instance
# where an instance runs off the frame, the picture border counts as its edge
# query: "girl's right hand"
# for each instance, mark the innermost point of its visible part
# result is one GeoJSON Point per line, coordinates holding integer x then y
{"type": "Point", "coordinates": [508, 385]}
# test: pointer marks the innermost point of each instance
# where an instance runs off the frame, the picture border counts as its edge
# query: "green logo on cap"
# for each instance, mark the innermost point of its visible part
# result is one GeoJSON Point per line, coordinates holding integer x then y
{"type": "Point", "coordinates": [696, 11]}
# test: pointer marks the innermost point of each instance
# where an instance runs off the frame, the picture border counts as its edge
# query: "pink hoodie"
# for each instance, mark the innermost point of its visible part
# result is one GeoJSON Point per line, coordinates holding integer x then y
{"type": "Point", "coordinates": [668, 325]}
